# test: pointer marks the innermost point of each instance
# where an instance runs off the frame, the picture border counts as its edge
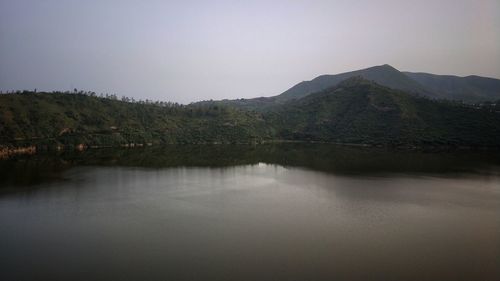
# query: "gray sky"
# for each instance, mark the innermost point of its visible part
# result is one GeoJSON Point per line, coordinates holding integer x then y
{"type": "Point", "coordinates": [186, 51]}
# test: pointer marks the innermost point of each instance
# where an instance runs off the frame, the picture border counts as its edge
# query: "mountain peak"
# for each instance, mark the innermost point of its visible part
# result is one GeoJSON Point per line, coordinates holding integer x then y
{"type": "Point", "coordinates": [388, 66]}
{"type": "Point", "coordinates": [382, 74]}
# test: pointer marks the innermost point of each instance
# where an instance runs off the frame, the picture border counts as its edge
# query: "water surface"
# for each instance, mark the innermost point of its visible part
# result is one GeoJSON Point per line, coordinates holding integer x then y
{"type": "Point", "coordinates": [277, 212]}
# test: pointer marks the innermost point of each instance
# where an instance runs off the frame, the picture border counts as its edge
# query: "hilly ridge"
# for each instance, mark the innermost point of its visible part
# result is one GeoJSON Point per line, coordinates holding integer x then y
{"type": "Point", "coordinates": [72, 119]}
{"type": "Point", "coordinates": [384, 75]}
{"type": "Point", "coordinates": [361, 111]}
{"type": "Point", "coordinates": [470, 89]}
{"type": "Point", "coordinates": [355, 111]}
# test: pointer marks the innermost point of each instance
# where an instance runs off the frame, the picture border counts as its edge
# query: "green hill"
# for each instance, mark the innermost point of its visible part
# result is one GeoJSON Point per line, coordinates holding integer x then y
{"type": "Point", "coordinates": [355, 111]}
{"type": "Point", "coordinates": [360, 111]}
{"type": "Point", "coordinates": [71, 119]}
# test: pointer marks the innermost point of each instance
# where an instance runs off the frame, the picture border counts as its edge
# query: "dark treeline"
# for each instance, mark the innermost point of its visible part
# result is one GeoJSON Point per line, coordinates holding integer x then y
{"type": "Point", "coordinates": [98, 95]}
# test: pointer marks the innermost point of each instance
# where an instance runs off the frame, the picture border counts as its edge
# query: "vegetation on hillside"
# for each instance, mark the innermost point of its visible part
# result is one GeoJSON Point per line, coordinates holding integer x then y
{"type": "Point", "coordinates": [73, 119]}
{"type": "Point", "coordinates": [363, 112]}
{"type": "Point", "coordinates": [355, 111]}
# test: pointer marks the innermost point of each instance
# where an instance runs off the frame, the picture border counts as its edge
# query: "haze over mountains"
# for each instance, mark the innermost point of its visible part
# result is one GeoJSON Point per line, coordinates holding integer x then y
{"type": "Point", "coordinates": [469, 89]}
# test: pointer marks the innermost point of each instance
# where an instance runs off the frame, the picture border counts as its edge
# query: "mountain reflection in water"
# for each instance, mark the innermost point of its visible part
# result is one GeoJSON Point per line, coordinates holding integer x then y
{"type": "Point", "coordinates": [334, 159]}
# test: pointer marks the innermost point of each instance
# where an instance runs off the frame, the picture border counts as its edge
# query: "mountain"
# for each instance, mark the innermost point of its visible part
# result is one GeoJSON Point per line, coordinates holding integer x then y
{"type": "Point", "coordinates": [356, 111]}
{"type": "Point", "coordinates": [472, 89]}
{"type": "Point", "coordinates": [383, 74]}
{"type": "Point", "coordinates": [363, 112]}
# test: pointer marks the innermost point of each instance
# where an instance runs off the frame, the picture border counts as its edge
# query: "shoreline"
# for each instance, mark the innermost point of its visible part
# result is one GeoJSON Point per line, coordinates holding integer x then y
{"type": "Point", "coordinates": [9, 151]}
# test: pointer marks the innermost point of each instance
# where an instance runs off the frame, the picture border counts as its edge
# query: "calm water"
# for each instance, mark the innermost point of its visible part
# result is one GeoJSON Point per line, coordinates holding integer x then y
{"type": "Point", "coordinates": [271, 212]}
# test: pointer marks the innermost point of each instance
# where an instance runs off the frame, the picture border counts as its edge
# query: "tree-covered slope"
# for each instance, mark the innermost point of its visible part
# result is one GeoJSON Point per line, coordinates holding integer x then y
{"type": "Point", "coordinates": [361, 111]}
{"type": "Point", "coordinates": [355, 111]}
{"type": "Point", "coordinates": [71, 119]}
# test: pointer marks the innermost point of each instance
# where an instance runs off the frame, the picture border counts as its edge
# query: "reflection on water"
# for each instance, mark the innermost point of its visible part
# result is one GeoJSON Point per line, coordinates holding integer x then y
{"type": "Point", "coordinates": [277, 212]}
{"type": "Point", "coordinates": [30, 170]}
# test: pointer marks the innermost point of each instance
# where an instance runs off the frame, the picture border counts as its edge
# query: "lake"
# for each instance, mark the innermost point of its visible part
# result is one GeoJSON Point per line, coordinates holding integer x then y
{"type": "Point", "coordinates": [265, 212]}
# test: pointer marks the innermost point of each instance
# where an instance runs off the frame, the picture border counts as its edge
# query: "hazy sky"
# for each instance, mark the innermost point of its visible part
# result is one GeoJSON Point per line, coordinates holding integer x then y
{"type": "Point", "coordinates": [185, 51]}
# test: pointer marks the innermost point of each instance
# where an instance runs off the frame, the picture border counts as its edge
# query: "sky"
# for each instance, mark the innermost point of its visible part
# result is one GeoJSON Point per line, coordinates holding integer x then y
{"type": "Point", "coordinates": [185, 51]}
